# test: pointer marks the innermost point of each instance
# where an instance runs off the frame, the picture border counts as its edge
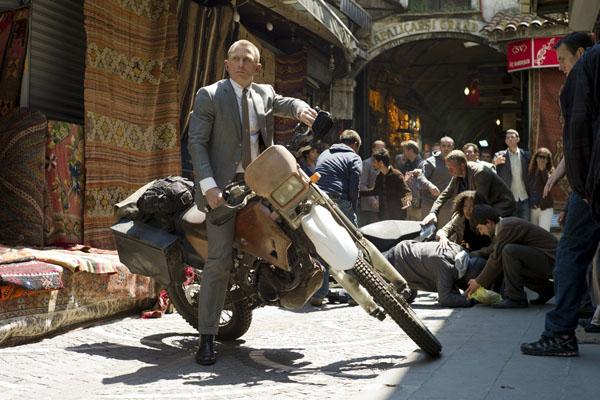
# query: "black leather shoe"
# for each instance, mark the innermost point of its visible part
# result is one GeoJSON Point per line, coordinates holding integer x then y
{"type": "Point", "coordinates": [508, 303]}
{"type": "Point", "coordinates": [206, 352]}
{"type": "Point", "coordinates": [592, 328]}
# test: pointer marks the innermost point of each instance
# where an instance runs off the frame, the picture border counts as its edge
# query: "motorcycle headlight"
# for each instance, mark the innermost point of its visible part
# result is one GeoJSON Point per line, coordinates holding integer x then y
{"type": "Point", "coordinates": [287, 190]}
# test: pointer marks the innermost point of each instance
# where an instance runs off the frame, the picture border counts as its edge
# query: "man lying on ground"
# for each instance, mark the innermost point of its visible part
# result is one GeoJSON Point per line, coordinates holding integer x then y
{"type": "Point", "coordinates": [429, 267]}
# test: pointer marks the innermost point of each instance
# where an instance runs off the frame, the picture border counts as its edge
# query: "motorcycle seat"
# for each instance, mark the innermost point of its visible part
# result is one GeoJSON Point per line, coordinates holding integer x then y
{"type": "Point", "coordinates": [386, 234]}
{"type": "Point", "coordinates": [193, 224]}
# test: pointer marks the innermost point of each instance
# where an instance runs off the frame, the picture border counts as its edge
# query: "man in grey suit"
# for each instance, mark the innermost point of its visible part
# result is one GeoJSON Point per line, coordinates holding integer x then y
{"type": "Point", "coordinates": [231, 123]}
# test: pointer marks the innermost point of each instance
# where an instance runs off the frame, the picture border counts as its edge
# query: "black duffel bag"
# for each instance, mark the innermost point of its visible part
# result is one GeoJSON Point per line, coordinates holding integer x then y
{"type": "Point", "coordinates": [167, 196]}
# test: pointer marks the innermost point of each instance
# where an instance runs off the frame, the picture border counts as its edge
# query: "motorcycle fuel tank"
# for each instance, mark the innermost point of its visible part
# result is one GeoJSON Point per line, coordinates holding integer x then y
{"type": "Point", "coordinates": [331, 240]}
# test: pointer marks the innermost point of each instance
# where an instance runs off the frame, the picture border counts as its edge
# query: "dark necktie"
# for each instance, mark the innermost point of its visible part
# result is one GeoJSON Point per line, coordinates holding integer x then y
{"type": "Point", "coordinates": [246, 152]}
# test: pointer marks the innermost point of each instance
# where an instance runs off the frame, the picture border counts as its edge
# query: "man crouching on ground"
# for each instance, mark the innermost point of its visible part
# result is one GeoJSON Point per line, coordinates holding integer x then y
{"type": "Point", "coordinates": [522, 251]}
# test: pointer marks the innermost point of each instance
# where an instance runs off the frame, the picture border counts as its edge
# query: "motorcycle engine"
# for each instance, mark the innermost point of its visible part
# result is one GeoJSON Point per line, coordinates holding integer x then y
{"type": "Point", "coordinates": [291, 289]}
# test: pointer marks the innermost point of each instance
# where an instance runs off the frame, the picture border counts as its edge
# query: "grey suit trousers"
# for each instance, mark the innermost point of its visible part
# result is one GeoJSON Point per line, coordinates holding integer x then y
{"type": "Point", "coordinates": [215, 276]}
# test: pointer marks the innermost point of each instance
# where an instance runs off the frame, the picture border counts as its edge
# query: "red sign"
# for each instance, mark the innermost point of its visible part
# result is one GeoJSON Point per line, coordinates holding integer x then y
{"type": "Point", "coordinates": [518, 55]}
{"type": "Point", "coordinates": [532, 53]}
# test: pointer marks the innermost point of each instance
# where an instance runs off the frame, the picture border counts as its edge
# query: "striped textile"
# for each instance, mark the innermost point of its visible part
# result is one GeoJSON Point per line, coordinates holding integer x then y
{"type": "Point", "coordinates": [74, 258]}
{"type": "Point", "coordinates": [199, 65]}
{"type": "Point", "coordinates": [131, 104]}
{"type": "Point", "coordinates": [290, 80]}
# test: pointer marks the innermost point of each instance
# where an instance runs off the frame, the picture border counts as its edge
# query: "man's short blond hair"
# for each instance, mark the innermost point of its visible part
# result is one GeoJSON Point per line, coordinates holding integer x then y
{"type": "Point", "coordinates": [245, 43]}
{"type": "Point", "coordinates": [350, 136]}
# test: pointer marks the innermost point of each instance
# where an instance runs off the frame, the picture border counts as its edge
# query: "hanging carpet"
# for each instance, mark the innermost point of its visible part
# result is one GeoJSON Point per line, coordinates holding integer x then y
{"type": "Point", "coordinates": [131, 105]}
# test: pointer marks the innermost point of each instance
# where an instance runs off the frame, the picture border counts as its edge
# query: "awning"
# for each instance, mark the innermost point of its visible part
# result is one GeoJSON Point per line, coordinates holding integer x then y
{"type": "Point", "coordinates": [512, 24]}
{"type": "Point", "coordinates": [317, 17]}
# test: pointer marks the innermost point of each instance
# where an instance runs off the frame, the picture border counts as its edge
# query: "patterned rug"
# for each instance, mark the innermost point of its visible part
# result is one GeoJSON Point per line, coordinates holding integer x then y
{"type": "Point", "coordinates": [64, 180]}
{"type": "Point", "coordinates": [13, 48]}
{"type": "Point", "coordinates": [32, 275]}
{"type": "Point", "coordinates": [131, 103]}
{"type": "Point", "coordinates": [22, 154]}
{"type": "Point", "coordinates": [85, 297]}
{"type": "Point", "coordinates": [290, 73]}
{"type": "Point", "coordinates": [76, 258]}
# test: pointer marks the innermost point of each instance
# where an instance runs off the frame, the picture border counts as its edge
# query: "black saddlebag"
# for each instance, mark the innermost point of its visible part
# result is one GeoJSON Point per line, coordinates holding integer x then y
{"type": "Point", "coordinates": [147, 250]}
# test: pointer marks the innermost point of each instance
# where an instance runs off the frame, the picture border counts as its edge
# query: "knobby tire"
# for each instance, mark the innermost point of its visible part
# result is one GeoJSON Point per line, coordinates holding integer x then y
{"type": "Point", "coordinates": [397, 308]}
{"type": "Point", "coordinates": [241, 317]}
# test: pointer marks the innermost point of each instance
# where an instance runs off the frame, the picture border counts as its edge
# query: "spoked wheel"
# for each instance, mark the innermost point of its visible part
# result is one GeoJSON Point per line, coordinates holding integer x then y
{"type": "Point", "coordinates": [396, 307]}
{"type": "Point", "coordinates": [184, 289]}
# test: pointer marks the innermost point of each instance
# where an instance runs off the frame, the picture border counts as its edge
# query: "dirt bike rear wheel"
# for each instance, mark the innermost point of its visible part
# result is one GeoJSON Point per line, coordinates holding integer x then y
{"type": "Point", "coordinates": [397, 308]}
{"type": "Point", "coordinates": [236, 316]}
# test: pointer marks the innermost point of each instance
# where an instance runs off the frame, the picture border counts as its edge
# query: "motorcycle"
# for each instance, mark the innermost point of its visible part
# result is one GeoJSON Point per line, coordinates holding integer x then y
{"type": "Point", "coordinates": [286, 230]}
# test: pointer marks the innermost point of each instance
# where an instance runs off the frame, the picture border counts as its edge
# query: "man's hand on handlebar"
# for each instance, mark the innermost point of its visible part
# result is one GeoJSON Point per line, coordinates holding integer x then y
{"type": "Point", "coordinates": [307, 116]}
{"type": "Point", "coordinates": [214, 197]}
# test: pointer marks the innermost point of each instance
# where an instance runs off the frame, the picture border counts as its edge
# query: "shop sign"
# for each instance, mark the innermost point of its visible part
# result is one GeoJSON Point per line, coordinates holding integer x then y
{"type": "Point", "coordinates": [532, 53]}
{"type": "Point", "coordinates": [399, 29]}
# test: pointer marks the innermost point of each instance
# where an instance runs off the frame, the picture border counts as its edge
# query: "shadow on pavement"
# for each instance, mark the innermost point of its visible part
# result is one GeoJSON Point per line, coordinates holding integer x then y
{"type": "Point", "coordinates": [170, 356]}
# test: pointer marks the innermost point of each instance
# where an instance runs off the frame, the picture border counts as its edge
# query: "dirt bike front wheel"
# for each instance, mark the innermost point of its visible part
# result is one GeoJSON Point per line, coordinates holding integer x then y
{"type": "Point", "coordinates": [397, 308]}
{"type": "Point", "coordinates": [236, 316]}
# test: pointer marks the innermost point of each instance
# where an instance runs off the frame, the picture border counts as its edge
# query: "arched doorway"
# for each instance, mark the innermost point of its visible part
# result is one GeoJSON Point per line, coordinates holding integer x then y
{"type": "Point", "coordinates": [414, 85]}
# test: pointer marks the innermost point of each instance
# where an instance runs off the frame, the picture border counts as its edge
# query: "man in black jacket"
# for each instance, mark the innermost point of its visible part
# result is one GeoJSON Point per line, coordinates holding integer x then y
{"type": "Point", "coordinates": [511, 166]}
{"type": "Point", "coordinates": [580, 102]}
{"type": "Point", "coordinates": [340, 167]}
{"type": "Point", "coordinates": [394, 195]}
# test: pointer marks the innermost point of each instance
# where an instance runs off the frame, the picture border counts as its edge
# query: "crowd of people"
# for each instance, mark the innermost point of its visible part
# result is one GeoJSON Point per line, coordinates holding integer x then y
{"type": "Point", "coordinates": [493, 215]}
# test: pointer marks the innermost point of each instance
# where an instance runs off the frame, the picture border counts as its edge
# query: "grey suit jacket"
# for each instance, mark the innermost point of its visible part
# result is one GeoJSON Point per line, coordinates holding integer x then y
{"type": "Point", "coordinates": [487, 184]}
{"type": "Point", "coordinates": [215, 134]}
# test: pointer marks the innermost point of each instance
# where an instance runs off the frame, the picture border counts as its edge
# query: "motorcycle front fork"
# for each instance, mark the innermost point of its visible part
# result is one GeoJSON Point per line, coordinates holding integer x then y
{"type": "Point", "coordinates": [383, 266]}
{"type": "Point", "coordinates": [358, 293]}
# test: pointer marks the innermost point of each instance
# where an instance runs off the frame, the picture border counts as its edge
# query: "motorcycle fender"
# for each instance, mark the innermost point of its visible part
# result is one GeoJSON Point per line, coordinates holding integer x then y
{"type": "Point", "coordinates": [332, 242]}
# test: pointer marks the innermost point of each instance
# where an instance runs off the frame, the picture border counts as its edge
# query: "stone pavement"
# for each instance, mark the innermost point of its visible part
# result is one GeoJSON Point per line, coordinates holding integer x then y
{"type": "Point", "coordinates": [335, 353]}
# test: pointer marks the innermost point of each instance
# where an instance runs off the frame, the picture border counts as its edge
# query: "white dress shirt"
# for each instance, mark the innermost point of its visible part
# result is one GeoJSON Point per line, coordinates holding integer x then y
{"type": "Point", "coordinates": [209, 183]}
{"type": "Point", "coordinates": [517, 185]}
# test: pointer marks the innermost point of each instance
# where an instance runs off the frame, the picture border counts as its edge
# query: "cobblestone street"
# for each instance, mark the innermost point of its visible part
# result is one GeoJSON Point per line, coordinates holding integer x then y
{"type": "Point", "coordinates": [337, 352]}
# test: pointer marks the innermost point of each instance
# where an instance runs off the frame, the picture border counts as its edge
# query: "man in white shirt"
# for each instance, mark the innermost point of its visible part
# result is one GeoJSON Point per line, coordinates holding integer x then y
{"type": "Point", "coordinates": [231, 123]}
{"type": "Point", "coordinates": [511, 166]}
